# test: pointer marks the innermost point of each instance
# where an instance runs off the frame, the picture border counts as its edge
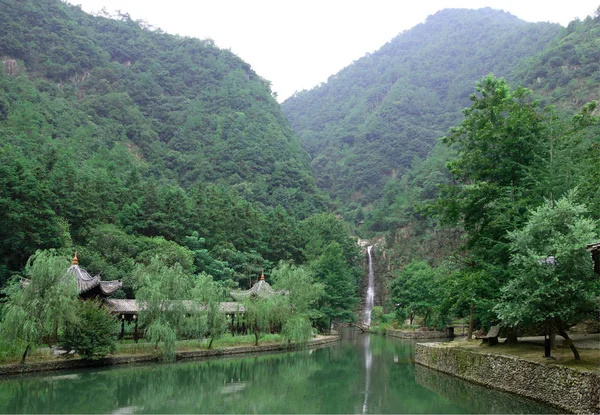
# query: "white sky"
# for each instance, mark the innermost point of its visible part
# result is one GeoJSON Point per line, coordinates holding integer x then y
{"type": "Point", "coordinates": [298, 44]}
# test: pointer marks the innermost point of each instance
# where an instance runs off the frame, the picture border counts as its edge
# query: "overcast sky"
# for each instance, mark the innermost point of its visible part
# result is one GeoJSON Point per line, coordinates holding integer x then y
{"type": "Point", "coordinates": [298, 44]}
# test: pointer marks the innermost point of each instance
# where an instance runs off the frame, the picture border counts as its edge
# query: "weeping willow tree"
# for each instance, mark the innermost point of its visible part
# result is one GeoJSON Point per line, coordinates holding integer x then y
{"type": "Point", "coordinates": [161, 289]}
{"type": "Point", "coordinates": [175, 304]}
{"type": "Point", "coordinates": [35, 306]}
{"type": "Point", "coordinates": [303, 295]}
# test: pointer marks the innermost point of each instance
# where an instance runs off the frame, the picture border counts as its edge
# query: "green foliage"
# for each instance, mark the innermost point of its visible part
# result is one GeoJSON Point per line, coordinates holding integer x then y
{"type": "Point", "coordinates": [209, 293]}
{"type": "Point", "coordinates": [113, 133]}
{"type": "Point", "coordinates": [260, 314]}
{"type": "Point", "coordinates": [340, 281]}
{"type": "Point", "coordinates": [93, 334]}
{"type": "Point", "coordinates": [567, 71]}
{"type": "Point", "coordinates": [297, 329]}
{"type": "Point", "coordinates": [161, 292]}
{"type": "Point", "coordinates": [303, 292]}
{"type": "Point", "coordinates": [553, 279]}
{"type": "Point", "coordinates": [303, 296]}
{"type": "Point", "coordinates": [36, 306]}
{"type": "Point", "coordinates": [414, 290]}
{"type": "Point", "coordinates": [496, 147]}
{"type": "Point", "coordinates": [367, 123]}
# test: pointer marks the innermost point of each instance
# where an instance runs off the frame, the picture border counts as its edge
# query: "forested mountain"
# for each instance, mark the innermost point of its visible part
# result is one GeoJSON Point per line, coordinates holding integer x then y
{"type": "Point", "coordinates": [567, 72]}
{"type": "Point", "coordinates": [367, 123]}
{"type": "Point", "coordinates": [123, 142]}
{"type": "Point", "coordinates": [191, 111]}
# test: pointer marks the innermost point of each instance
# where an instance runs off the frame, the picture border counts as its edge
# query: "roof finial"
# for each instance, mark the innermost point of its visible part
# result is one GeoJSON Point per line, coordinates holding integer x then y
{"type": "Point", "coordinates": [75, 259]}
{"type": "Point", "coordinates": [262, 275]}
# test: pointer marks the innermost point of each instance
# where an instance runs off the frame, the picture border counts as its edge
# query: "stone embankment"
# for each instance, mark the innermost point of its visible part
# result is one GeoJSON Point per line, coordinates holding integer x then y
{"type": "Point", "coordinates": [403, 334]}
{"type": "Point", "coordinates": [567, 389]}
{"type": "Point", "coordinates": [75, 363]}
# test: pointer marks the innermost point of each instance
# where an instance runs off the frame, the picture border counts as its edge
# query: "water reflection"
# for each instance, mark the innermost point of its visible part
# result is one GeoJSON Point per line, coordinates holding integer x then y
{"type": "Point", "coordinates": [479, 398]}
{"type": "Point", "coordinates": [362, 374]}
{"type": "Point", "coordinates": [368, 363]}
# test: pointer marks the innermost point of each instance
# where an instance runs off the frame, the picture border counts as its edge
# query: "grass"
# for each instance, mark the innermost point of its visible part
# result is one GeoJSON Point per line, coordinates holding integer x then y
{"type": "Point", "coordinates": [590, 359]}
{"type": "Point", "coordinates": [129, 348]}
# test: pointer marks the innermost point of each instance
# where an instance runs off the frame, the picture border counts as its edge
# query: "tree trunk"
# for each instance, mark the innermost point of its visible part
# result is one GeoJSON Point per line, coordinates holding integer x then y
{"type": "Point", "coordinates": [511, 335]}
{"type": "Point", "coordinates": [471, 318]}
{"type": "Point", "coordinates": [54, 338]}
{"type": "Point", "coordinates": [25, 354]}
{"type": "Point", "coordinates": [211, 342]}
{"type": "Point", "coordinates": [564, 334]}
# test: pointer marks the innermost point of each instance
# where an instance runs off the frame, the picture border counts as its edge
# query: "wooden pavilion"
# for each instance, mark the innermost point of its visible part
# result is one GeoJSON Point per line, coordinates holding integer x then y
{"type": "Point", "coordinates": [262, 289]}
{"type": "Point", "coordinates": [594, 249]}
{"type": "Point", "coordinates": [91, 287]}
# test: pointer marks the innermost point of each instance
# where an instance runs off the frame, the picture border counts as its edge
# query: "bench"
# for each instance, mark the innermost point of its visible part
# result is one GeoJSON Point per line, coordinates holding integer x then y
{"type": "Point", "coordinates": [491, 337]}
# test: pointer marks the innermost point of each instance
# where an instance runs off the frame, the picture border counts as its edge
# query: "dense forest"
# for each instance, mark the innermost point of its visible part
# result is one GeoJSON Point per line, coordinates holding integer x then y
{"type": "Point", "coordinates": [123, 142]}
{"type": "Point", "coordinates": [368, 122]}
{"type": "Point", "coordinates": [469, 208]}
{"type": "Point", "coordinates": [466, 148]}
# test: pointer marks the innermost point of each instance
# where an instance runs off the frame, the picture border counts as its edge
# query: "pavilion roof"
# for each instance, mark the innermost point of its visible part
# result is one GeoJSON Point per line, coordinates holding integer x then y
{"type": "Point", "coordinates": [593, 247]}
{"type": "Point", "coordinates": [122, 306]}
{"type": "Point", "coordinates": [85, 282]}
{"type": "Point", "coordinates": [261, 289]}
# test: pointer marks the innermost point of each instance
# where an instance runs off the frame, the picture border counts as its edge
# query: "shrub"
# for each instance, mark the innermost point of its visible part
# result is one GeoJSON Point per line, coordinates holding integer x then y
{"type": "Point", "coordinates": [93, 335]}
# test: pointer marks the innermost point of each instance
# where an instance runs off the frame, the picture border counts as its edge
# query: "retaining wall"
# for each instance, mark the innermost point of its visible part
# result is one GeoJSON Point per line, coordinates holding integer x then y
{"type": "Point", "coordinates": [570, 390]}
{"type": "Point", "coordinates": [417, 334]}
{"type": "Point", "coordinates": [70, 364]}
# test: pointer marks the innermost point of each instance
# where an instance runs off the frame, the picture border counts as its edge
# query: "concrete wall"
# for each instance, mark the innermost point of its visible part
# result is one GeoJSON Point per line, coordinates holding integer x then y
{"type": "Point", "coordinates": [570, 390]}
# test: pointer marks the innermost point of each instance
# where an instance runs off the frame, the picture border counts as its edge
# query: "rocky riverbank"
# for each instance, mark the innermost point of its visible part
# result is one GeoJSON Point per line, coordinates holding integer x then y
{"type": "Point", "coordinates": [575, 391]}
{"type": "Point", "coordinates": [76, 363]}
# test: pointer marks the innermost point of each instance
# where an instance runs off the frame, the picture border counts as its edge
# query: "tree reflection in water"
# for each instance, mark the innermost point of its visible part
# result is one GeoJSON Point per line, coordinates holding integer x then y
{"type": "Point", "coordinates": [360, 374]}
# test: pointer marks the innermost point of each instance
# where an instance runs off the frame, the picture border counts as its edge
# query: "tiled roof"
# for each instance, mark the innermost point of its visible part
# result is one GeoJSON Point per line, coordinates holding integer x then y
{"type": "Point", "coordinates": [85, 282]}
{"type": "Point", "coordinates": [118, 306]}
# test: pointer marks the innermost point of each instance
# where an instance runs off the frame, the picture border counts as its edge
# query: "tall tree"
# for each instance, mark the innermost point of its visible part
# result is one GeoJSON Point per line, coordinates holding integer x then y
{"type": "Point", "coordinates": [35, 306]}
{"type": "Point", "coordinates": [554, 284]}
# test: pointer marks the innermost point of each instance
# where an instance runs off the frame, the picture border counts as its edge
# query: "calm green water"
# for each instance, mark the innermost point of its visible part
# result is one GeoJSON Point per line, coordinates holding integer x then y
{"type": "Point", "coordinates": [362, 374]}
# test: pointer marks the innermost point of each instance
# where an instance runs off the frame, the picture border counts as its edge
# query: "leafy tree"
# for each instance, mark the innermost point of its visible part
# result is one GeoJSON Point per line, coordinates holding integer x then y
{"type": "Point", "coordinates": [161, 291]}
{"type": "Point", "coordinates": [553, 282]}
{"type": "Point", "coordinates": [496, 145]}
{"type": "Point", "coordinates": [93, 334]}
{"type": "Point", "coordinates": [259, 315]}
{"type": "Point", "coordinates": [414, 290]}
{"type": "Point", "coordinates": [209, 294]}
{"type": "Point", "coordinates": [47, 299]}
{"type": "Point", "coordinates": [340, 280]}
{"type": "Point", "coordinates": [302, 299]}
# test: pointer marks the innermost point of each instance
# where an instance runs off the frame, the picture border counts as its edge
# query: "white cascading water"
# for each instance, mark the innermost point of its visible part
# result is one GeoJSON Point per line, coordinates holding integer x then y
{"type": "Point", "coordinates": [370, 290]}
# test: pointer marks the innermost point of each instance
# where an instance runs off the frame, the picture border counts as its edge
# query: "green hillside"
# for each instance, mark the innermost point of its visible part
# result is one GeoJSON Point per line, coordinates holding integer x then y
{"type": "Point", "coordinates": [367, 123]}
{"type": "Point", "coordinates": [124, 142]}
{"type": "Point", "coordinates": [567, 73]}
{"type": "Point", "coordinates": [191, 111]}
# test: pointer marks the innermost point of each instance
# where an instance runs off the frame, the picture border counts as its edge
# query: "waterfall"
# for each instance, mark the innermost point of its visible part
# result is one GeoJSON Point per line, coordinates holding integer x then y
{"type": "Point", "coordinates": [370, 290]}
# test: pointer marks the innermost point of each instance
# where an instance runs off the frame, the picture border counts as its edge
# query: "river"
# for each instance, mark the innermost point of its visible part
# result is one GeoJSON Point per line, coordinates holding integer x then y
{"type": "Point", "coordinates": [361, 374]}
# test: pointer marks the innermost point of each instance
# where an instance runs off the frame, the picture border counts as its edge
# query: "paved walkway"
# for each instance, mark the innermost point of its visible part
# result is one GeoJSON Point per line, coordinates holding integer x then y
{"type": "Point", "coordinates": [581, 340]}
